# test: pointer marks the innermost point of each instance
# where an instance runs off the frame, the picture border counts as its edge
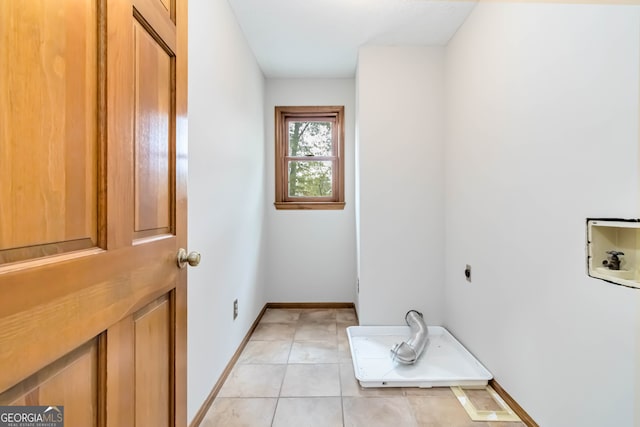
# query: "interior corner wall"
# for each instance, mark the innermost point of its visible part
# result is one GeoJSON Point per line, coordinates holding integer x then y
{"type": "Point", "coordinates": [542, 133]}
{"type": "Point", "coordinates": [400, 183]}
{"type": "Point", "coordinates": [226, 145]}
{"type": "Point", "coordinates": [311, 253]}
{"type": "Point", "coordinates": [357, 194]}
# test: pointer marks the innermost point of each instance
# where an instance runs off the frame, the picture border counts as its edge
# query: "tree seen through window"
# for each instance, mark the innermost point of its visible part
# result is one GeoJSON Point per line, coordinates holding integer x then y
{"type": "Point", "coordinates": [310, 177]}
{"type": "Point", "coordinates": [309, 157]}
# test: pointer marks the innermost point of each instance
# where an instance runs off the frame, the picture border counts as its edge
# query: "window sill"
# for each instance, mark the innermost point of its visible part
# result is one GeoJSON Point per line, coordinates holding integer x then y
{"type": "Point", "coordinates": [310, 205]}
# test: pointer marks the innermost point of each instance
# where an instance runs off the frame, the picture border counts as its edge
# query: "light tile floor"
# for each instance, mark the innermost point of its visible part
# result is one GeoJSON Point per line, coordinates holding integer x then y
{"type": "Point", "coordinates": [296, 371]}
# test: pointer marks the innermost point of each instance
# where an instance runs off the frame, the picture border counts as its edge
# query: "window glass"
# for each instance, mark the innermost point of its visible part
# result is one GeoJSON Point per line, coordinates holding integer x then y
{"type": "Point", "coordinates": [310, 178]}
{"type": "Point", "coordinates": [310, 138]}
{"type": "Point", "coordinates": [309, 145]}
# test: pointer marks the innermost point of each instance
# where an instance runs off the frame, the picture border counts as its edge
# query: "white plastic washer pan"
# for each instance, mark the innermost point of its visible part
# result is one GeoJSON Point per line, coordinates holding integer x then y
{"type": "Point", "coordinates": [443, 363]}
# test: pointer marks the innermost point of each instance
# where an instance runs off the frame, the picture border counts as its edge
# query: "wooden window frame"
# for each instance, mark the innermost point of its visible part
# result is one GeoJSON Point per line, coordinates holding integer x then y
{"type": "Point", "coordinates": [317, 113]}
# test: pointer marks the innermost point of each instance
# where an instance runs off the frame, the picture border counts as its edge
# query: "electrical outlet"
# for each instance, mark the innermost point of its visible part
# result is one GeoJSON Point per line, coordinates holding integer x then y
{"type": "Point", "coordinates": [235, 309]}
{"type": "Point", "coordinates": [467, 273]}
{"type": "Point", "coordinates": [358, 285]}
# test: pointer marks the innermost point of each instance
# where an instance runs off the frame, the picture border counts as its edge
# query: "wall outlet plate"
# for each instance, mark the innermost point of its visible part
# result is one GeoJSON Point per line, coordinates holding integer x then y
{"type": "Point", "coordinates": [235, 309]}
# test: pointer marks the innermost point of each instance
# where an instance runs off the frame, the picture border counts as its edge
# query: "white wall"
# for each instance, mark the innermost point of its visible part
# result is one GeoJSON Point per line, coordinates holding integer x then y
{"type": "Point", "coordinates": [226, 192]}
{"type": "Point", "coordinates": [310, 254]}
{"type": "Point", "coordinates": [542, 132]}
{"type": "Point", "coordinates": [400, 183]}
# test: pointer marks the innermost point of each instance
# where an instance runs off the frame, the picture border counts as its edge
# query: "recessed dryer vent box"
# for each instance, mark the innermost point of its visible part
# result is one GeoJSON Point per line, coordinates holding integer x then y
{"type": "Point", "coordinates": [613, 250]}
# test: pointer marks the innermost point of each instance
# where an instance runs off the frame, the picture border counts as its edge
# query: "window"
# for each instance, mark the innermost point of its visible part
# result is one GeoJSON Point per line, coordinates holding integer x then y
{"type": "Point", "coordinates": [309, 158]}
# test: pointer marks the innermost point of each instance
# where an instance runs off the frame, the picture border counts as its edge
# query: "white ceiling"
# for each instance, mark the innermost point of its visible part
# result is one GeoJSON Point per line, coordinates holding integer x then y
{"type": "Point", "coordinates": [320, 38]}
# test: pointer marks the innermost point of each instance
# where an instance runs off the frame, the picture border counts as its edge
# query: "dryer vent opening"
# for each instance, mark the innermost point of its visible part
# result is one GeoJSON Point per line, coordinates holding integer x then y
{"type": "Point", "coordinates": [408, 352]}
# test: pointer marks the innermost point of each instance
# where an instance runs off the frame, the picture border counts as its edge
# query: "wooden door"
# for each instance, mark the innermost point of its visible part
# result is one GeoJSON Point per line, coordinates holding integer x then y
{"type": "Point", "coordinates": [93, 209]}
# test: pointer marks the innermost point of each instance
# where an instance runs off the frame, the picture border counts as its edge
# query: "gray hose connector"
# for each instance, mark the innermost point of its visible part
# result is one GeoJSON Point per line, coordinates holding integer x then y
{"type": "Point", "coordinates": [409, 351]}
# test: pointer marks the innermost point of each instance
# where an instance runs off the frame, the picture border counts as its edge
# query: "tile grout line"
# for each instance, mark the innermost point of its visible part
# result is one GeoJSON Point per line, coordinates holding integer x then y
{"type": "Point", "coordinates": [298, 322]}
{"type": "Point", "coordinates": [288, 363]}
{"type": "Point", "coordinates": [286, 369]}
{"type": "Point", "coordinates": [340, 375]}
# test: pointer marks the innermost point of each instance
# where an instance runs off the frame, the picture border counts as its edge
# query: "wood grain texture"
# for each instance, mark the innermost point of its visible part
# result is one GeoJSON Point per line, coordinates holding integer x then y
{"type": "Point", "coordinates": [120, 365]}
{"type": "Point", "coordinates": [48, 111]}
{"type": "Point", "coordinates": [117, 175]}
{"type": "Point", "coordinates": [95, 292]}
{"type": "Point", "coordinates": [180, 220]}
{"type": "Point", "coordinates": [152, 126]}
{"type": "Point", "coordinates": [284, 114]}
{"type": "Point", "coordinates": [308, 305]}
{"type": "Point", "coordinates": [166, 4]}
{"type": "Point", "coordinates": [70, 382]}
{"type": "Point", "coordinates": [153, 346]}
{"type": "Point", "coordinates": [103, 124]}
{"type": "Point", "coordinates": [310, 205]}
{"type": "Point", "coordinates": [163, 24]}
{"type": "Point", "coordinates": [8, 256]}
{"type": "Point", "coordinates": [515, 406]}
{"type": "Point", "coordinates": [50, 307]}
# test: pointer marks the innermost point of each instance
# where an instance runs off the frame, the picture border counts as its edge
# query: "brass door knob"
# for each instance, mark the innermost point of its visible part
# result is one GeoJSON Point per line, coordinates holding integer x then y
{"type": "Point", "coordinates": [193, 259]}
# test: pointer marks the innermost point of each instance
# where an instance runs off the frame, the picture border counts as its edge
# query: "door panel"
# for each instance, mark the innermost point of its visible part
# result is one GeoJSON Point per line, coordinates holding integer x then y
{"type": "Point", "coordinates": [152, 329]}
{"type": "Point", "coordinates": [167, 5]}
{"type": "Point", "coordinates": [48, 155]}
{"type": "Point", "coordinates": [72, 382]}
{"type": "Point", "coordinates": [58, 316]}
{"type": "Point", "coordinates": [153, 121]}
{"type": "Point", "coordinates": [93, 209]}
{"type": "Point", "coordinates": [154, 13]}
